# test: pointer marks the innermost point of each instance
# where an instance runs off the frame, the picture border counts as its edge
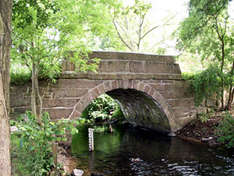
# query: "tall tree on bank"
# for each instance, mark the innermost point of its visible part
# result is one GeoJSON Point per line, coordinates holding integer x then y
{"type": "Point", "coordinates": [209, 32]}
{"type": "Point", "coordinates": [31, 46]}
{"type": "Point", "coordinates": [6, 10]}
{"type": "Point", "coordinates": [5, 44]}
{"type": "Point", "coordinates": [46, 32]}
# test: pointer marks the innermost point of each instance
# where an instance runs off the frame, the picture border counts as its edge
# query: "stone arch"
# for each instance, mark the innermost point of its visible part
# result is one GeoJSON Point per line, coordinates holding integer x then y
{"type": "Point", "coordinates": [138, 85]}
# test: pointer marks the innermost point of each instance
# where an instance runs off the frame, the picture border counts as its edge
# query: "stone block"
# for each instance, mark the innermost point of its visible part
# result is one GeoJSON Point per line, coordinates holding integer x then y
{"type": "Point", "coordinates": [69, 92]}
{"type": "Point", "coordinates": [125, 84]}
{"type": "Point", "coordinates": [77, 83]}
{"type": "Point", "coordinates": [101, 89]}
{"type": "Point", "coordinates": [137, 67]}
{"type": "Point", "coordinates": [107, 86]}
{"type": "Point", "coordinates": [120, 84]}
{"type": "Point", "coordinates": [146, 89]}
{"type": "Point", "coordinates": [130, 84]}
{"type": "Point", "coordinates": [141, 86]}
{"type": "Point", "coordinates": [113, 66]}
{"type": "Point", "coordinates": [48, 103]}
{"type": "Point", "coordinates": [114, 85]}
{"type": "Point", "coordinates": [58, 113]}
{"type": "Point", "coordinates": [135, 84]}
{"type": "Point", "coordinates": [151, 91]}
{"type": "Point", "coordinates": [94, 93]}
{"type": "Point", "coordinates": [181, 102]}
{"type": "Point", "coordinates": [76, 115]}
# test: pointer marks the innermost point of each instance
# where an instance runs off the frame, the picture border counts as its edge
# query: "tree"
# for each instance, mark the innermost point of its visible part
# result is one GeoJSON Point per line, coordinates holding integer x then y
{"type": "Point", "coordinates": [208, 31]}
{"type": "Point", "coordinates": [5, 10]}
{"type": "Point", "coordinates": [131, 25]}
{"type": "Point", "coordinates": [5, 44]}
{"type": "Point", "coordinates": [31, 44]}
{"type": "Point", "coordinates": [46, 32]}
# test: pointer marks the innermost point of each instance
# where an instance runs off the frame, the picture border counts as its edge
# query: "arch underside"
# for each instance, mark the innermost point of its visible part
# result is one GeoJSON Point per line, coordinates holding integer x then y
{"type": "Point", "coordinates": [141, 110]}
{"type": "Point", "coordinates": [141, 104]}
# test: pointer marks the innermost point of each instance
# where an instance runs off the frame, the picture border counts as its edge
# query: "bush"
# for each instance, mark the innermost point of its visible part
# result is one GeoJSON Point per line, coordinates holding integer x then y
{"type": "Point", "coordinates": [34, 143]}
{"type": "Point", "coordinates": [225, 131]}
{"type": "Point", "coordinates": [20, 76]}
{"type": "Point", "coordinates": [103, 108]}
{"type": "Point", "coordinates": [205, 84]}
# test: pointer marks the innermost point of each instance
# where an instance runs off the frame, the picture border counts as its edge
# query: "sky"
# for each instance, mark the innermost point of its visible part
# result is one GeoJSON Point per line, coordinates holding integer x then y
{"type": "Point", "coordinates": [178, 7]}
{"type": "Point", "coordinates": [175, 9]}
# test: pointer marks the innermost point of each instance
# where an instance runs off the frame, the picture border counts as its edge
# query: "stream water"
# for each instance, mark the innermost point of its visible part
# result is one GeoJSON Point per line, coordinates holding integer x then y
{"type": "Point", "coordinates": [134, 152]}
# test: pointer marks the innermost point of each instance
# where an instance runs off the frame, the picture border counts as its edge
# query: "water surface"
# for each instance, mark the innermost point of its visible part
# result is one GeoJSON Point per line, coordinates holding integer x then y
{"type": "Point", "coordinates": [134, 152]}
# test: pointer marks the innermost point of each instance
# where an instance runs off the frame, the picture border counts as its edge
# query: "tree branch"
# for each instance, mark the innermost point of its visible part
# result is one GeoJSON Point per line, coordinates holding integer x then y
{"type": "Point", "coordinates": [149, 31]}
{"type": "Point", "coordinates": [142, 19]}
{"type": "Point", "coordinates": [121, 38]}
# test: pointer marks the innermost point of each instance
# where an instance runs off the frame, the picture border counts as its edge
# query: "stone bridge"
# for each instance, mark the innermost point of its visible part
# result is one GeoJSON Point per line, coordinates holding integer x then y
{"type": "Point", "coordinates": [148, 88]}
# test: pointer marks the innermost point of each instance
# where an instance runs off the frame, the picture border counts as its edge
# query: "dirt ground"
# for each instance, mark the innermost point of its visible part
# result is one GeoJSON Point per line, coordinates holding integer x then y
{"type": "Point", "coordinates": [201, 132]}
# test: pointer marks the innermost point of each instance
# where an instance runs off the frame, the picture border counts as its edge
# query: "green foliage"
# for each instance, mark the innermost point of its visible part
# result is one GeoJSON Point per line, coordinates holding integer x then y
{"type": "Point", "coordinates": [44, 10]}
{"type": "Point", "coordinates": [205, 84]}
{"type": "Point", "coordinates": [201, 25]}
{"type": "Point", "coordinates": [133, 27]}
{"type": "Point", "coordinates": [208, 33]}
{"type": "Point", "coordinates": [226, 131]}
{"type": "Point", "coordinates": [188, 75]}
{"type": "Point", "coordinates": [100, 129]}
{"type": "Point", "coordinates": [117, 113]}
{"type": "Point", "coordinates": [102, 108]}
{"type": "Point", "coordinates": [46, 32]}
{"type": "Point", "coordinates": [204, 117]}
{"type": "Point", "coordinates": [35, 143]}
{"type": "Point", "coordinates": [20, 76]}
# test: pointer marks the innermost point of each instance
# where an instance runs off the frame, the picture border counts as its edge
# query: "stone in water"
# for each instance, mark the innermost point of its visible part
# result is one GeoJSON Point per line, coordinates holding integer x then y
{"type": "Point", "coordinates": [78, 172]}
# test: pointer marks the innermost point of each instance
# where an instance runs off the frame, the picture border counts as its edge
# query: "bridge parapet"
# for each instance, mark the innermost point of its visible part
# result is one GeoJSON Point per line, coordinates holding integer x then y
{"type": "Point", "coordinates": [117, 65]}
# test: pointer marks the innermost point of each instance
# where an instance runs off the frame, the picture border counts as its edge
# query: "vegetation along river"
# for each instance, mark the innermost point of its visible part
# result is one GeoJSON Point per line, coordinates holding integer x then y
{"type": "Point", "coordinates": [134, 152]}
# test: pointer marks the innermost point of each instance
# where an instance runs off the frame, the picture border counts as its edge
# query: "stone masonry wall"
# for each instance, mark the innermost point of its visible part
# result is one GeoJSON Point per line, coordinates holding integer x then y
{"type": "Point", "coordinates": [156, 76]}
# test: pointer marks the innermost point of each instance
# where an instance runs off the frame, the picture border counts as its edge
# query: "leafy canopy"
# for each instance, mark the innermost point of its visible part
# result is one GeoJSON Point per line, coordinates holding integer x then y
{"type": "Point", "coordinates": [208, 32]}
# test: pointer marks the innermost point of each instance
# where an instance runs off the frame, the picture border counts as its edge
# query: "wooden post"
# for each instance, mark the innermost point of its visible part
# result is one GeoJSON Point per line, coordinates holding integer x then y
{"type": "Point", "coordinates": [91, 139]}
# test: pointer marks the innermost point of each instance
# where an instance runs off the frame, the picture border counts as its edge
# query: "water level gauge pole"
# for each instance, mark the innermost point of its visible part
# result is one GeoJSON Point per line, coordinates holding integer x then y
{"type": "Point", "coordinates": [91, 139]}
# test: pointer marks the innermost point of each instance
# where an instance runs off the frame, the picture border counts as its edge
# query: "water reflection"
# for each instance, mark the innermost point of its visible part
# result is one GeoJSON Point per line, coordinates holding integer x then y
{"type": "Point", "coordinates": [130, 152]}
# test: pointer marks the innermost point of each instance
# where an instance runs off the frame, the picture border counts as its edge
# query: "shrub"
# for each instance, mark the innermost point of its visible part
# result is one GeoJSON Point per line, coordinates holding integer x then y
{"type": "Point", "coordinates": [205, 84]}
{"type": "Point", "coordinates": [225, 130]}
{"type": "Point", "coordinates": [35, 143]}
{"type": "Point", "coordinates": [103, 107]}
{"type": "Point", "coordinates": [20, 76]}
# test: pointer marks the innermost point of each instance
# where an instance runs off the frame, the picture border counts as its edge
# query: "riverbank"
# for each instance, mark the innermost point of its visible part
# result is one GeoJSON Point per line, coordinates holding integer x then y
{"type": "Point", "coordinates": [204, 132]}
{"type": "Point", "coordinates": [201, 132]}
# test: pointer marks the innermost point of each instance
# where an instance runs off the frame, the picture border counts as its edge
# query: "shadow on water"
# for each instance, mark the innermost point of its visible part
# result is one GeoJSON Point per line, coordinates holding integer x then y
{"type": "Point", "coordinates": [133, 152]}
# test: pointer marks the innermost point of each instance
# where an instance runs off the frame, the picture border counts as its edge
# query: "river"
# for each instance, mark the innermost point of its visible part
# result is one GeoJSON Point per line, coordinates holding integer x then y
{"type": "Point", "coordinates": [134, 152]}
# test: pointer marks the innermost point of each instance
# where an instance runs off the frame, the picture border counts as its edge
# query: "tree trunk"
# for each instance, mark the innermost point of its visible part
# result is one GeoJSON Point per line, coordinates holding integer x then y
{"type": "Point", "coordinates": [5, 163]}
{"type": "Point", "coordinates": [5, 45]}
{"type": "Point", "coordinates": [222, 78]}
{"type": "Point", "coordinates": [33, 93]}
{"type": "Point", "coordinates": [231, 90]}
{"type": "Point", "coordinates": [5, 13]}
{"type": "Point", "coordinates": [36, 100]}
